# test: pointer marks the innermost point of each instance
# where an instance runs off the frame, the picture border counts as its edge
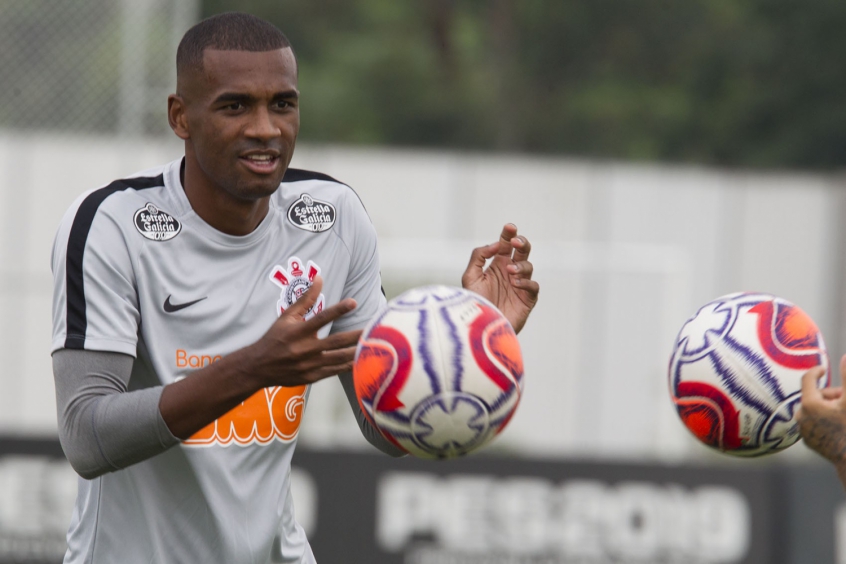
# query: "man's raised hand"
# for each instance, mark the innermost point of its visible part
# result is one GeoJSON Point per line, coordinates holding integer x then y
{"type": "Point", "coordinates": [507, 281]}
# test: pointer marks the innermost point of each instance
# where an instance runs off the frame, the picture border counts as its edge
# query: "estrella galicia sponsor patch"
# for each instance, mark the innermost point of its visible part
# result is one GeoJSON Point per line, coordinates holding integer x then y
{"type": "Point", "coordinates": [312, 215]}
{"type": "Point", "coordinates": [155, 224]}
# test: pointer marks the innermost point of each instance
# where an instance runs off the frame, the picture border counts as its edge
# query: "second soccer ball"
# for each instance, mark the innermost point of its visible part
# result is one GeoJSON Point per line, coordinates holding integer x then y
{"type": "Point", "coordinates": [736, 369]}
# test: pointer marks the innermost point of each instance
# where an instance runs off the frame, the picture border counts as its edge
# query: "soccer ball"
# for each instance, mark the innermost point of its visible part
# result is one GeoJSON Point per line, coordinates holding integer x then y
{"type": "Point", "coordinates": [438, 371]}
{"type": "Point", "coordinates": [736, 371]}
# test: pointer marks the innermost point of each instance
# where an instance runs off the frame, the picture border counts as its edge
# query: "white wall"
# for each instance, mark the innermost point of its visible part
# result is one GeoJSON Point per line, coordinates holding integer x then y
{"type": "Point", "coordinates": [624, 255]}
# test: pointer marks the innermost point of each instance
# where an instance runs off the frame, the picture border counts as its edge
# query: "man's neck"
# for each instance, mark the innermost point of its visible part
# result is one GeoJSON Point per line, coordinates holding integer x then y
{"type": "Point", "coordinates": [218, 208]}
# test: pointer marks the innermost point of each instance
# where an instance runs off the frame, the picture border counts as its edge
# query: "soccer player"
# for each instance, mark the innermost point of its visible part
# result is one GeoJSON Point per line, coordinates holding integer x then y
{"type": "Point", "coordinates": [194, 304]}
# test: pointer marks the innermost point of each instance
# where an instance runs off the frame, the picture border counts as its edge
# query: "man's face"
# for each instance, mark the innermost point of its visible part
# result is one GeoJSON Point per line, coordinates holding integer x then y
{"type": "Point", "coordinates": [242, 116]}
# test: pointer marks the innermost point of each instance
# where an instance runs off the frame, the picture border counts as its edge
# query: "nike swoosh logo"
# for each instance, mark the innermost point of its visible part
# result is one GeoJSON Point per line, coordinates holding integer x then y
{"type": "Point", "coordinates": [170, 308]}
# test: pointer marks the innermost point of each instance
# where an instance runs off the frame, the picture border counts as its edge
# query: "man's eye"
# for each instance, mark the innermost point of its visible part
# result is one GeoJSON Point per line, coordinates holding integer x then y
{"type": "Point", "coordinates": [233, 106]}
{"type": "Point", "coordinates": [281, 104]}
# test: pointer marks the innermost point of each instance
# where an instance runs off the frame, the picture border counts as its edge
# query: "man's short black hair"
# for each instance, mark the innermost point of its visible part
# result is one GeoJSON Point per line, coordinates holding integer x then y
{"type": "Point", "coordinates": [230, 31]}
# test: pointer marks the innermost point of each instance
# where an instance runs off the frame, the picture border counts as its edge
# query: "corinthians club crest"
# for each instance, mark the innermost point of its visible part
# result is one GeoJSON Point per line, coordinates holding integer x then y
{"type": "Point", "coordinates": [294, 281]}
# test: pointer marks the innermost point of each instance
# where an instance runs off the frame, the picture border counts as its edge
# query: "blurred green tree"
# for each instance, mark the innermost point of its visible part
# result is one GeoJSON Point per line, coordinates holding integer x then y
{"type": "Point", "coordinates": [754, 83]}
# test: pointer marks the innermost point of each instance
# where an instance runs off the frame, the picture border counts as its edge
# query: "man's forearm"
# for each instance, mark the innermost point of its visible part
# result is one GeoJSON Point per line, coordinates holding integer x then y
{"type": "Point", "coordinates": [193, 402]}
{"type": "Point", "coordinates": [102, 427]}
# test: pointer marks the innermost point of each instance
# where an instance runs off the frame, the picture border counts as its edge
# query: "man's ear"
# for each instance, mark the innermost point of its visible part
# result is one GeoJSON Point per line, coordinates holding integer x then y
{"type": "Point", "coordinates": [176, 116]}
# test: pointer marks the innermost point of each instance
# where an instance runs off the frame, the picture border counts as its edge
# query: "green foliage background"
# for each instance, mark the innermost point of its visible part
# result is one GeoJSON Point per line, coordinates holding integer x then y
{"type": "Point", "coordinates": [754, 83]}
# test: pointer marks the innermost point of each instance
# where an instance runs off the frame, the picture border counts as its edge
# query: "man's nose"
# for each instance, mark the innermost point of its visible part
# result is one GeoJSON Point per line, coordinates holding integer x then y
{"type": "Point", "coordinates": [261, 125]}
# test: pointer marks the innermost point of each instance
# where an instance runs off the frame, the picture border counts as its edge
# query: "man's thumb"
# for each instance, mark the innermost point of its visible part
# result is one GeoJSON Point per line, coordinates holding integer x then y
{"type": "Point", "coordinates": [810, 384]}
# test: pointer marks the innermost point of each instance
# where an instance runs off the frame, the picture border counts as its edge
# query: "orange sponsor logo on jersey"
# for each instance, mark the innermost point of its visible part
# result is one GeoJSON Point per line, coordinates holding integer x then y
{"type": "Point", "coordinates": [272, 413]}
{"type": "Point", "coordinates": [184, 359]}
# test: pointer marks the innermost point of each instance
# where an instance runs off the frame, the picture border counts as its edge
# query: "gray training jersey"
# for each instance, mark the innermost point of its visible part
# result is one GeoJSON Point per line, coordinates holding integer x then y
{"type": "Point", "coordinates": [138, 272]}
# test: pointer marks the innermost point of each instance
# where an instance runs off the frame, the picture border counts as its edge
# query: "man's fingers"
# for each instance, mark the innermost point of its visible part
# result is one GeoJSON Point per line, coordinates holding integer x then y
{"type": "Point", "coordinates": [522, 248]}
{"type": "Point", "coordinates": [325, 358]}
{"type": "Point", "coordinates": [331, 313]}
{"type": "Point", "coordinates": [307, 300]}
{"type": "Point", "coordinates": [337, 356]}
{"type": "Point", "coordinates": [340, 340]}
{"type": "Point", "coordinates": [832, 393]}
{"type": "Point", "coordinates": [480, 255]}
{"type": "Point", "coordinates": [530, 286]}
{"type": "Point", "coordinates": [522, 269]}
{"type": "Point", "coordinates": [810, 390]}
{"type": "Point", "coordinates": [509, 232]}
{"type": "Point", "coordinates": [478, 259]}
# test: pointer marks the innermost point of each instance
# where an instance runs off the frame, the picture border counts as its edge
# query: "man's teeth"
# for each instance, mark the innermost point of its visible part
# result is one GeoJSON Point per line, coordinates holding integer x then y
{"type": "Point", "coordinates": [263, 158]}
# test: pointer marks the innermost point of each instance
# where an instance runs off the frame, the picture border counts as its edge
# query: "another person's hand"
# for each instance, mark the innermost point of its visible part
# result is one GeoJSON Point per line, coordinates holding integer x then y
{"type": "Point", "coordinates": [822, 418]}
{"type": "Point", "coordinates": [507, 281]}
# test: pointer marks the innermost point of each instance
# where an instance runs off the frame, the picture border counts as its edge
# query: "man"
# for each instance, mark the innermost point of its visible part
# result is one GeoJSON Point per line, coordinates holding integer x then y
{"type": "Point", "coordinates": [196, 302]}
